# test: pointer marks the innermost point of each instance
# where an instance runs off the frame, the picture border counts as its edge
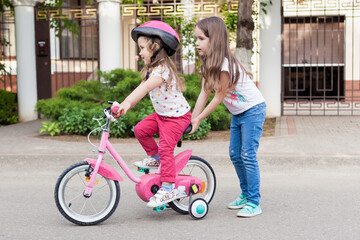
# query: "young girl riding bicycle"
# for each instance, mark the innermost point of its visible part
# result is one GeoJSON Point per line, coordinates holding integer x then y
{"type": "Point", "coordinates": [157, 41]}
{"type": "Point", "coordinates": [234, 87]}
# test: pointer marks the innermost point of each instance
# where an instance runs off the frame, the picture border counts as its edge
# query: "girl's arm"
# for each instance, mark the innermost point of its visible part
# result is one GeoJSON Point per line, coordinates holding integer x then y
{"type": "Point", "coordinates": [198, 116]}
{"type": "Point", "coordinates": [200, 102]}
{"type": "Point", "coordinates": [139, 92]}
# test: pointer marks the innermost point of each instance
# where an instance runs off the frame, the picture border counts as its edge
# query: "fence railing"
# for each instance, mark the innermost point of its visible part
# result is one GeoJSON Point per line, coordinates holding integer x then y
{"type": "Point", "coordinates": [320, 57]}
{"type": "Point", "coordinates": [8, 52]}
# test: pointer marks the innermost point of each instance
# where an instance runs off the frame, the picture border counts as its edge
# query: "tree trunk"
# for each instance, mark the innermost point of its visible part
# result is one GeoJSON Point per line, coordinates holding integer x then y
{"type": "Point", "coordinates": [245, 27]}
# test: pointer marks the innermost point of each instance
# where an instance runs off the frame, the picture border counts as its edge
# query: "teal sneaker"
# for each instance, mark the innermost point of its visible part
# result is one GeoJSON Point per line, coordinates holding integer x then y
{"type": "Point", "coordinates": [250, 210]}
{"type": "Point", "coordinates": [238, 203]}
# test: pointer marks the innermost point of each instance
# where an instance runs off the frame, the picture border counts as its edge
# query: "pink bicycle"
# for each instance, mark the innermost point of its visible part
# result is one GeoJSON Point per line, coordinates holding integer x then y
{"type": "Point", "coordinates": [88, 192]}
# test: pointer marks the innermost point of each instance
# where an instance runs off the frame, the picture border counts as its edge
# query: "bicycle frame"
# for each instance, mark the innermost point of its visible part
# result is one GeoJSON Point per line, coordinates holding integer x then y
{"type": "Point", "coordinates": [103, 168]}
{"type": "Point", "coordinates": [143, 183]}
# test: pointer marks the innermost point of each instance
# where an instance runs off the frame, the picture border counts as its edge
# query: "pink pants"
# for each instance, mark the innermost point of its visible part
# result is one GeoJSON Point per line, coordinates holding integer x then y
{"type": "Point", "coordinates": [170, 130]}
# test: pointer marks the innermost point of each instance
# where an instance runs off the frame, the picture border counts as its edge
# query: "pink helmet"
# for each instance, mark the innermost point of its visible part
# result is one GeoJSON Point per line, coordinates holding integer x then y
{"type": "Point", "coordinates": [159, 29]}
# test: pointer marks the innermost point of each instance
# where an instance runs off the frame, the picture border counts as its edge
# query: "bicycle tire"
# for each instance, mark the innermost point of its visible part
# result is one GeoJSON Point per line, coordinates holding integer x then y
{"type": "Point", "coordinates": [78, 209]}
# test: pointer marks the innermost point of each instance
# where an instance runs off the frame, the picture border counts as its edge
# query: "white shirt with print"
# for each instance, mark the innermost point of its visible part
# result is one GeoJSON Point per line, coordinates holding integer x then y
{"type": "Point", "coordinates": [170, 102]}
{"type": "Point", "coordinates": [245, 94]}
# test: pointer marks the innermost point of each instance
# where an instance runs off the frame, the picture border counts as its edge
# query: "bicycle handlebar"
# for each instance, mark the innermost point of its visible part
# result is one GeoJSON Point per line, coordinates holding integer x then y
{"type": "Point", "coordinates": [108, 115]}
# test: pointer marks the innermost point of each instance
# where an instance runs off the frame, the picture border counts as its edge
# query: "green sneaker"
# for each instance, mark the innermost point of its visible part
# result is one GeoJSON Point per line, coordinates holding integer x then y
{"type": "Point", "coordinates": [250, 210]}
{"type": "Point", "coordinates": [238, 203]}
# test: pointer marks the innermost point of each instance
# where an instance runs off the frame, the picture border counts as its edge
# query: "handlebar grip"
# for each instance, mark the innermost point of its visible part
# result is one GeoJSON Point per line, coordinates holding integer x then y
{"type": "Point", "coordinates": [114, 109]}
{"type": "Point", "coordinates": [188, 129]}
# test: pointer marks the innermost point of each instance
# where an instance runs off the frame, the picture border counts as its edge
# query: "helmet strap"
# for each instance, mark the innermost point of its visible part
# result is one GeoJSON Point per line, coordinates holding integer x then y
{"type": "Point", "coordinates": [156, 53]}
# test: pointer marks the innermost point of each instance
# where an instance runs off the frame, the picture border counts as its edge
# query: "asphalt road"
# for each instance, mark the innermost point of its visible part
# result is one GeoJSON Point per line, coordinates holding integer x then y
{"type": "Point", "coordinates": [316, 201]}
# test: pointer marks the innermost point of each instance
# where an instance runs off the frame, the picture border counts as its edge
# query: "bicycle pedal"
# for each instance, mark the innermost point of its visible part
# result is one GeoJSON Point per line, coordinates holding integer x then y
{"type": "Point", "coordinates": [159, 208]}
{"type": "Point", "coordinates": [194, 188]}
{"type": "Point", "coordinates": [144, 170]}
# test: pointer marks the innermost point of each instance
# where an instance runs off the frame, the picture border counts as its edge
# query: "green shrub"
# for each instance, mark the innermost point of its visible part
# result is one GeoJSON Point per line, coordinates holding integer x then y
{"type": "Point", "coordinates": [8, 108]}
{"type": "Point", "coordinates": [220, 118]}
{"type": "Point", "coordinates": [69, 93]}
{"type": "Point", "coordinates": [75, 107]}
{"type": "Point", "coordinates": [53, 108]}
{"type": "Point", "coordinates": [123, 88]}
{"type": "Point", "coordinates": [51, 127]}
{"type": "Point", "coordinates": [115, 76]}
{"type": "Point", "coordinates": [193, 87]}
{"type": "Point", "coordinates": [120, 129]}
{"type": "Point", "coordinates": [74, 121]}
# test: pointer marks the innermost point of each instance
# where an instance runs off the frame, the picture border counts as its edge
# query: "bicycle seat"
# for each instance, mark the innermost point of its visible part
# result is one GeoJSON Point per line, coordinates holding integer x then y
{"type": "Point", "coordinates": [188, 129]}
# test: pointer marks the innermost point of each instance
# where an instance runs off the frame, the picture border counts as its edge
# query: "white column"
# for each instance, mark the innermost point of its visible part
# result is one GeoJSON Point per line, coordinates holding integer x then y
{"type": "Point", "coordinates": [109, 34]}
{"type": "Point", "coordinates": [270, 58]}
{"type": "Point", "coordinates": [25, 57]}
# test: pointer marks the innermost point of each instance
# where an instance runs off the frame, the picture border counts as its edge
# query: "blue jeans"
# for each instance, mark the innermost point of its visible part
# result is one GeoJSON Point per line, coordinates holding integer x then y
{"type": "Point", "coordinates": [245, 132]}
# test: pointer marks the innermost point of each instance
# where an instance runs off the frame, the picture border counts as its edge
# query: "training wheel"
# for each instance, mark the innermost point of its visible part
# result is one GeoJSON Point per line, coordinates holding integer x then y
{"type": "Point", "coordinates": [198, 208]}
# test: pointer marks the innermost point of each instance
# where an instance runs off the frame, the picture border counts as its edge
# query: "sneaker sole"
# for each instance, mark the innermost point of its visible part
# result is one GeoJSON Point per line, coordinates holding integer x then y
{"type": "Point", "coordinates": [248, 215]}
{"type": "Point", "coordinates": [167, 201]}
{"type": "Point", "coordinates": [146, 167]}
{"type": "Point", "coordinates": [236, 207]}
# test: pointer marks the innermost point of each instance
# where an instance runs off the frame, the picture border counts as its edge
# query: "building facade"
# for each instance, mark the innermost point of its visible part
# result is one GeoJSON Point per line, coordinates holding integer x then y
{"type": "Point", "coordinates": [307, 62]}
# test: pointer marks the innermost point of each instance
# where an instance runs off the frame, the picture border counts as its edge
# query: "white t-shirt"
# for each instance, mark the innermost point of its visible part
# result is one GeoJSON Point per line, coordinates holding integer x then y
{"type": "Point", "coordinates": [245, 94]}
{"type": "Point", "coordinates": [170, 102]}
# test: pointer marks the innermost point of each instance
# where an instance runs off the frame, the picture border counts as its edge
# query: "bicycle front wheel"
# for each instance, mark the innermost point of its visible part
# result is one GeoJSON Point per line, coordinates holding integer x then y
{"type": "Point", "coordinates": [78, 209]}
{"type": "Point", "coordinates": [201, 169]}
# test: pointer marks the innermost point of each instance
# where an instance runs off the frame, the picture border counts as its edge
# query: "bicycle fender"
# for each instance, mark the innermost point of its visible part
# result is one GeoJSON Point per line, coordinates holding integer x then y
{"type": "Point", "coordinates": [105, 170]}
{"type": "Point", "coordinates": [181, 160]}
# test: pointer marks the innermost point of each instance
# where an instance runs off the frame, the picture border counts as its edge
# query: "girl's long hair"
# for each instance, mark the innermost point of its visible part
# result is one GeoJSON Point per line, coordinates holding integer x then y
{"type": "Point", "coordinates": [215, 29]}
{"type": "Point", "coordinates": [164, 60]}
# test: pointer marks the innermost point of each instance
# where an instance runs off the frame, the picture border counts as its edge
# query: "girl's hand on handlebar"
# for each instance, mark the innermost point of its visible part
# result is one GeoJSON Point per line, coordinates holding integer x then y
{"type": "Point", "coordinates": [195, 125]}
{"type": "Point", "coordinates": [115, 109]}
{"type": "Point", "coordinates": [120, 109]}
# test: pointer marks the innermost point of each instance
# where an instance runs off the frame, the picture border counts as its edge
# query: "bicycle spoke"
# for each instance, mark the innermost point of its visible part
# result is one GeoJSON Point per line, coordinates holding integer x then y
{"type": "Point", "coordinates": [79, 195]}
{"type": "Point", "coordinates": [92, 205]}
{"type": "Point", "coordinates": [99, 188]}
{"type": "Point", "coordinates": [81, 178]}
{"type": "Point", "coordinates": [83, 206]}
{"type": "Point", "coordinates": [192, 168]}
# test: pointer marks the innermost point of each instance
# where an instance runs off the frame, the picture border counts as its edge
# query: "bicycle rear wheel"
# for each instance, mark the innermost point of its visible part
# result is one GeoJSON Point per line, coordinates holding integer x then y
{"type": "Point", "coordinates": [201, 169]}
{"type": "Point", "coordinates": [78, 209]}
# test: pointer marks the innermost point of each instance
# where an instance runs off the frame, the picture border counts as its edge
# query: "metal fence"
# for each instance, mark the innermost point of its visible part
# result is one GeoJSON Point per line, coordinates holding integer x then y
{"type": "Point", "coordinates": [73, 41]}
{"type": "Point", "coordinates": [8, 52]}
{"type": "Point", "coordinates": [320, 57]}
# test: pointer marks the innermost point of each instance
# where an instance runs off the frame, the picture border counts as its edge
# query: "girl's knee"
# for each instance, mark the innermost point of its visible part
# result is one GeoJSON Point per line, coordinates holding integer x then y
{"type": "Point", "coordinates": [138, 131]}
{"type": "Point", "coordinates": [248, 157]}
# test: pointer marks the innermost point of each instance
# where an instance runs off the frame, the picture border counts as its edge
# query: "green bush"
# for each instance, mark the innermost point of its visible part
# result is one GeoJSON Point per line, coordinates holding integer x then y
{"type": "Point", "coordinates": [220, 118]}
{"type": "Point", "coordinates": [92, 90]}
{"type": "Point", "coordinates": [8, 108]}
{"type": "Point", "coordinates": [75, 107]}
{"type": "Point", "coordinates": [80, 121]}
{"type": "Point", "coordinates": [53, 108]}
{"type": "Point", "coordinates": [116, 76]}
{"type": "Point", "coordinates": [51, 127]}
